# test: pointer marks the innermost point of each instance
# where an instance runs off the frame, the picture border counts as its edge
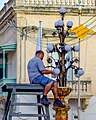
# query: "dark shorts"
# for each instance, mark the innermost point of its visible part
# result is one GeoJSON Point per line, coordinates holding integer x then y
{"type": "Point", "coordinates": [42, 80]}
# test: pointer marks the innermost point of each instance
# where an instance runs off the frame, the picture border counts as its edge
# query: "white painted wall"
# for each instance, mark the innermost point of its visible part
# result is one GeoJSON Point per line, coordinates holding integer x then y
{"type": "Point", "coordinates": [90, 112]}
{"type": "Point", "coordinates": [12, 65]}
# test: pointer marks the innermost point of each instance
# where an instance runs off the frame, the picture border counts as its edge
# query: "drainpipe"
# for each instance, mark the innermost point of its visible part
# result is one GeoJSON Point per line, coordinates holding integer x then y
{"type": "Point", "coordinates": [25, 39]}
{"type": "Point", "coordinates": [3, 63]}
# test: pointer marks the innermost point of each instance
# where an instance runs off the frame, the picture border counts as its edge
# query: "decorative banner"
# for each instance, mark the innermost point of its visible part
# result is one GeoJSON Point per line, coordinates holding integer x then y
{"type": "Point", "coordinates": [81, 31]}
{"type": "Point", "coordinates": [39, 37]}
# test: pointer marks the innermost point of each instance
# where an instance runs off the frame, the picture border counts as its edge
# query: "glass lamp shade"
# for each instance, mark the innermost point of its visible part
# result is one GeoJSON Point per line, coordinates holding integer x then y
{"type": "Point", "coordinates": [56, 24]}
{"type": "Point", "coordinates": [50, 48]}
{"type": "Point", "coordinates": [67, 48]}
{"type": "Point", "coordinates": [80, 71]}
{"type": "Point", "coordinates": [69, 24]}
{"type": "Point", "coordinates": [59, 23]}
{"type": "Point", "coordinates": [47, 50]}
{"type": "Point", "coordinates": [56, 70]}
{"type": "Point", "coordinates": [77, 75]}
{"type": "Point", "coordinates": [76, 48]}
{"type": "Point", "coordinates": [62, 11]}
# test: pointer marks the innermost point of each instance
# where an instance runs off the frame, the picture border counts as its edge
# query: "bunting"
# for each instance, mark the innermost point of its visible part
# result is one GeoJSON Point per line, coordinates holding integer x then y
{"type": "Point", "coordinates": [81, 31]}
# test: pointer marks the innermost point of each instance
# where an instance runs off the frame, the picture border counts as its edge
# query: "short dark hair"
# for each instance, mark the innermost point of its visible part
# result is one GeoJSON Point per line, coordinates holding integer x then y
{"type": "Point", "coordinates": [39, 52]}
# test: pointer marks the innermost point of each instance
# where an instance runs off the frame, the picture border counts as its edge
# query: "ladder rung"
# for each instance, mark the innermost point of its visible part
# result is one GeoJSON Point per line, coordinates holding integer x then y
{"type": "Point", "coordinates": [28, 104]}
{"type": "Point", "coordinates": [28, 93]}
{"type": "Point", "coordinates": [29, 115]}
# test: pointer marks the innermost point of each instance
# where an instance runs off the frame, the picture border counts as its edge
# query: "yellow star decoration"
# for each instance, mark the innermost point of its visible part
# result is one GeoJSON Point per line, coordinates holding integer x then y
{"type": "Point", "coordinates": [81, 31]}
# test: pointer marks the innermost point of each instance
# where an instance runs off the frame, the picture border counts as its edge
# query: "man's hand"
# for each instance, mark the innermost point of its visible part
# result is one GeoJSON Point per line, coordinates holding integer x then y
{"type": "Point", "coordinates": [53, 73]}
{"type": "Point", "coordinates": [46, 71]}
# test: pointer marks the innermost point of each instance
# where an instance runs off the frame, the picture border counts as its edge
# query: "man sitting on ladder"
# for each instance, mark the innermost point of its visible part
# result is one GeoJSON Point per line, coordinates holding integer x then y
{"type": "Point", "coordinates": [36, 71]}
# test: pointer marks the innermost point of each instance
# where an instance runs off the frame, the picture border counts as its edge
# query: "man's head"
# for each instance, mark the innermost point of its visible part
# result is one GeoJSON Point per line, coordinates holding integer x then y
{"type": "Point", "coordinates": [39, 54]}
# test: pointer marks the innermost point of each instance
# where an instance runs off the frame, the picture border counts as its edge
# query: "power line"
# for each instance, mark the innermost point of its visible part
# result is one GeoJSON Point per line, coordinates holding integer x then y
{"type": "Point", "coordinates": [44, 43]}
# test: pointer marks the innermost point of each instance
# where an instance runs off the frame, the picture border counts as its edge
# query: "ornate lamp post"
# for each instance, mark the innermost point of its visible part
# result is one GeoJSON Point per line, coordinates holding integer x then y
{"type": "Point", "coordinates": [62, 69]}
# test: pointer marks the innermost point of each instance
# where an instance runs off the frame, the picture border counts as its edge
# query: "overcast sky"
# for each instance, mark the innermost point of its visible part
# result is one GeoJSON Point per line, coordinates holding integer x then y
{"type": "Point", "coordinates": [2, 3]}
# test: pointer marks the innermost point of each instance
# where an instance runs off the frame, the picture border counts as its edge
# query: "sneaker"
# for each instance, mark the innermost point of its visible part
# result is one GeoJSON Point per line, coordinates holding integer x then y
{"type": "Point", "coordinates": [58, 103]}
{"type": "Point", "coordinates": [48, 100]}
{"type": "Point", "coordinates": [44, 101]}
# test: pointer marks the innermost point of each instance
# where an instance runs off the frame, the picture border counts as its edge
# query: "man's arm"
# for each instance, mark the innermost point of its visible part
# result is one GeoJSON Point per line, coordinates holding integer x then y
{"type": "Point", "coordinates": [48, 72]}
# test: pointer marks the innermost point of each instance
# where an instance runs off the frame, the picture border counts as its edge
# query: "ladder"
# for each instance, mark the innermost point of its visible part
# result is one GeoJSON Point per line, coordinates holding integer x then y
{"type": "Point", "coordinates": [14, 89]}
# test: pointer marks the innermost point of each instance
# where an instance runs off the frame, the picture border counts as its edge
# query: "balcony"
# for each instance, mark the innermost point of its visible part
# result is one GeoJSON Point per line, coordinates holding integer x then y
{"type": "Point", "coordinates": [85, 90]}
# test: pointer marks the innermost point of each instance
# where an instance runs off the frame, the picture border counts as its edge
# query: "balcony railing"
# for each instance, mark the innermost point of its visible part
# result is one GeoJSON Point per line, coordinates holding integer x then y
{"type": "Point", "coordinates": [85, 87]}
{"type": "Point", "coordinates": [55, 2]}
{"type": "Point", "coordinates": [48, 3]}
{"type": "Point", "coordinates": [85, 90]}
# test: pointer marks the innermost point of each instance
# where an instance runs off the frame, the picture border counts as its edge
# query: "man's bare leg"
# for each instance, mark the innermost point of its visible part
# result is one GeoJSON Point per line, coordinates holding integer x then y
{"type": "Point", "coordinates": [44, 99]}
{"type": "Point", "coordinates": [54, 90]}
{"type": "Point", "coordinates": [57, 101]}
{"type": "Point", "coordinates": [48, 88]}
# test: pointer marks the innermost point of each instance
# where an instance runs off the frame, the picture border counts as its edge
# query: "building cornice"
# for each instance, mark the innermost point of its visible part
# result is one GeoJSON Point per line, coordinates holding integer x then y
{"type": "Point", "coordinates": [53, 10]}
{"type": "Point", "coordinates": [44, 10]}
{"type": "Point", "coordinates": [10, 13]}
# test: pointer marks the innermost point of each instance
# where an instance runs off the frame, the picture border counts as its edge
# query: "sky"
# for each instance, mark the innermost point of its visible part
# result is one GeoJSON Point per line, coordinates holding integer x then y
{"type": "Point", "coordinates": [2, 3]}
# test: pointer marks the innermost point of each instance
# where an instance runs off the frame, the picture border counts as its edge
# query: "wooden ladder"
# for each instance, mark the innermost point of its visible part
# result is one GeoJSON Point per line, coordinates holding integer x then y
{"type": "Point", "coordinates": [24, 89]}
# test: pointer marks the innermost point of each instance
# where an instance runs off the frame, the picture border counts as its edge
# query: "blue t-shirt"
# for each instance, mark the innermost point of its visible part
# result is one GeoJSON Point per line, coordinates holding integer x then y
{"type": "Point", "coordinates": [35, 66]}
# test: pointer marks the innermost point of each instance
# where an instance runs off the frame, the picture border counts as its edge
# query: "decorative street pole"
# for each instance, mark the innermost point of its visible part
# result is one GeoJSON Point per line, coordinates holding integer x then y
{"type": "Point", "coordinates": [79, 105]}
{"type": "Point", "coordinates": [61, 68]}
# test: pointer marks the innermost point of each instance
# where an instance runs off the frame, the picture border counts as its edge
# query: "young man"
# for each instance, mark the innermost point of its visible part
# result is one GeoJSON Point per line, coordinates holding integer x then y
{"type": "Point", "coordinates": [36, 71]}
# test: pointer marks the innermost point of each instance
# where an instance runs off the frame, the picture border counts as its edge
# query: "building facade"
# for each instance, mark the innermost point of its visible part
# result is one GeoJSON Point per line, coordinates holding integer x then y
{"type": "Point", "coordinates": [19, 21]}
